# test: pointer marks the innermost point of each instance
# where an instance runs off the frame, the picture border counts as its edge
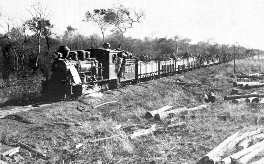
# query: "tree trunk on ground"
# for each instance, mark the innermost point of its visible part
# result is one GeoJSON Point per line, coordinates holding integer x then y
{"type": "Point", "coordinates": [165, 114]}
{"type": "Point", "coordinates": [254, 76]}
{"type": "Point", "coordinates": [151, 114]}
{"type": "Point", "coordinates": [184, 110]}
{"type": "Point", "coordinates": [142, 132]}
{"type": "Point", "coordinates": [155, 128]}
{"type": "Point", "coordinates": [240, 143]}
{"type": "Point", "coordinates": [110, 102]}
{"type": "Point", "coordinates": [8, 150]}
{"type": "Point", "coordinates": [233, 97]}
{"type": "Point", "coordinates": [172, 127]}
{"type": "Point", "coordinates": [248, 85]}
{"type": "Point", "coordinates": [245, 155]}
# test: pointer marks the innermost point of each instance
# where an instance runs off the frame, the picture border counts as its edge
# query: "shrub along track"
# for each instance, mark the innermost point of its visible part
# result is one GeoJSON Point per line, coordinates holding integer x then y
{"type": "Point", "coordinates": [75, 131]}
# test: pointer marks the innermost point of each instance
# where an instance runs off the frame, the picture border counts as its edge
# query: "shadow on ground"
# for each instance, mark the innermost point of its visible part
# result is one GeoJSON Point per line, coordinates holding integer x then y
{"type": "Point", "coordinates": [28, 100]}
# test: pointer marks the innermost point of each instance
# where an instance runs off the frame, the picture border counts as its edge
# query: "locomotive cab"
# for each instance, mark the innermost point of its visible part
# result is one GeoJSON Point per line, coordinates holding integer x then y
{"type": "Point", "coordinates": [108, 59]}
{"type": "Point", "coordinates": [118, 66]}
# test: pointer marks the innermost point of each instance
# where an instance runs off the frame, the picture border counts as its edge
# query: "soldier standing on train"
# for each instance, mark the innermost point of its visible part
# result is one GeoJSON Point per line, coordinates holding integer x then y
{"type": "Point", "coordinates": [121, 62]}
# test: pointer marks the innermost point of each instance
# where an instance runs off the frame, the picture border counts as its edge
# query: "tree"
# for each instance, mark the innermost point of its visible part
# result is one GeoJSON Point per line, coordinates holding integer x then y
{"type": "Point", "coordinates": [40, 25]}
{"type": "Point", "coordinates": [123, 18]}
{"type": "Point", "coordinates": [118, 19]}
{"type": "Point", "coordinates": [100, 18]}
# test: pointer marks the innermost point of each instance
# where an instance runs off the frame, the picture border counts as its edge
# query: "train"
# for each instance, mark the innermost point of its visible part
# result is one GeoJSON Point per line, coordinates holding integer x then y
{"type": "Point", "coordinates": [80, 72]}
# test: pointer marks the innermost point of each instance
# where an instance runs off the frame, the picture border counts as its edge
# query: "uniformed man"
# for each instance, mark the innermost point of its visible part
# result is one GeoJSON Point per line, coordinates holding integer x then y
{"type": "Point", "coordinates": [106, 46]}
{"type": "Point", "coordinates": [64, 50]}
{"type": "Point", "coordinates": [121, 61]}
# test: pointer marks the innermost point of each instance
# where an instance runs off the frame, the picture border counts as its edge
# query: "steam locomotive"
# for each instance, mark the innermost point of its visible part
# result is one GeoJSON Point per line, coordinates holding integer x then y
{"type": "Point", "coordinates": [75, 73]}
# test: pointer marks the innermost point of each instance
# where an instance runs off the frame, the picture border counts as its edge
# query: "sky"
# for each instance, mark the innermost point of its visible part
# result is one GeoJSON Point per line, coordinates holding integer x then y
{"type": "Point", "coordinates": [222, 21]}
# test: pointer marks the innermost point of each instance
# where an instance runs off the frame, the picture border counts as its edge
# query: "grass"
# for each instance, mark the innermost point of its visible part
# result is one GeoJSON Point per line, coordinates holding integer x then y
{"type": "Point", "coordinates": [115, 122]}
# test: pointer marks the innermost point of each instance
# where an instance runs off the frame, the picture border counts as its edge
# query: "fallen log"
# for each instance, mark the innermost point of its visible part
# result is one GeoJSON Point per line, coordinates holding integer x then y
{"type": "Point", "coordinates": [253, 75]}
{"type": "Point", "coordinates": [218, 152]}
{"type": "Point", "coordinates": [110, 102]}
{"type": "Point", "coordinates": [143, 132]}
{"type": "Point", "coordinates": [254, 152]}
{"type": "Point", "coordinates": [6, 150]}
{"type": "Point", "coordinates": [177, 125]}
{"type": "Point", "coordinates": [174, 127]}
{"type": "Point", "coordinates": [250, 84]}
{"type": "Point", "coordinates": [102, 139]}
{"type": "Point", "coordinates": [245, 155]}
{"type": "Point", "coordinates": [137, 133]}
{"type": "Point", "coordinates": [236, 101]}
{"type": "Point", "coordinates": [165, 114]}
{"type": "Point", "coordinates": [230, 145]}
{"type": "Point", "coordinates": [232, 97]}
{"type": "Point", "coordinates": [151, 114]}
{"type": "Point", "coordinates": [251, 140]}
{"type": "Point", "coordinates": [162, 115]}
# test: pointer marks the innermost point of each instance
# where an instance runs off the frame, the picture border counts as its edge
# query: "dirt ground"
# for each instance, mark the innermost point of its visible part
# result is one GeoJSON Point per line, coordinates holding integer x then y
{"type": "Point", "coordinates": [80, 131]}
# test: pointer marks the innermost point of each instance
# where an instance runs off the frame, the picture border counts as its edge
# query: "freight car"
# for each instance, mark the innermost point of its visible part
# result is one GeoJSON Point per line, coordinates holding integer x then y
{"type": "Point", "coordinates": [75, 73]}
